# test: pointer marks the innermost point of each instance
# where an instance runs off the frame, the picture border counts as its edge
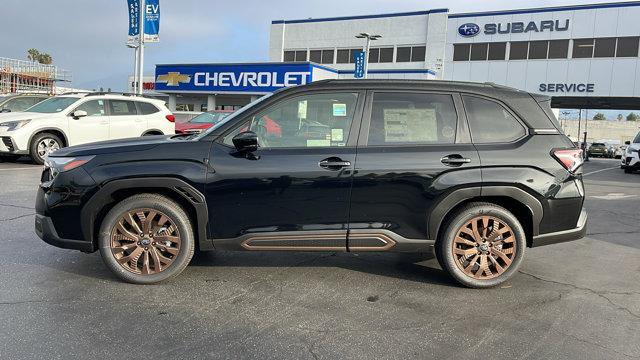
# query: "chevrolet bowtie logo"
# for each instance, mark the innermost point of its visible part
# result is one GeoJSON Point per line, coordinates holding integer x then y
{"type": "Point", "coordinates": [173, 78]}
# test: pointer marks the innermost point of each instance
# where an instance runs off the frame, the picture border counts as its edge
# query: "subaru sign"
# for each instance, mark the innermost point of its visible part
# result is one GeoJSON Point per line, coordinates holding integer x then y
{"type": "Point", "coordinates": [469, 30]}
{"type": "Point", "coordinates": [231, 78]}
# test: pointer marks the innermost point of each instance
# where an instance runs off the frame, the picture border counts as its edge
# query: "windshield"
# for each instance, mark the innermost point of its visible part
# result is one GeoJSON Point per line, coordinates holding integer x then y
{"type": "Point", "coordinates": [53, 105]}
{"type": "Point", "coordinates": [637, 139]}
{"type": "Point", "coordinates": [233, 116]}
{"type": "Point", "coordinates": [209, 118]}
{"type": "Point", "coordinates": [597, 144]}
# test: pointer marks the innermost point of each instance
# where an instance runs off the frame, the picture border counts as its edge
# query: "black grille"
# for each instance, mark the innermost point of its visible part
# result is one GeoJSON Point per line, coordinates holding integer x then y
{"type": "Point", "coordinates": [8, 143]}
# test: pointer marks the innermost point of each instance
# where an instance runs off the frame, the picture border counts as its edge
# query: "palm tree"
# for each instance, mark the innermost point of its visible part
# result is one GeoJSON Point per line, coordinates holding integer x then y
{"type": "Point", "coordinates": [33, 54]}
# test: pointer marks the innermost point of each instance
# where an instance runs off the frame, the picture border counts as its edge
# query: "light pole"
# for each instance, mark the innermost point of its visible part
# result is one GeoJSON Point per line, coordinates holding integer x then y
{"type": "Point", "coordinates": [367, 47]}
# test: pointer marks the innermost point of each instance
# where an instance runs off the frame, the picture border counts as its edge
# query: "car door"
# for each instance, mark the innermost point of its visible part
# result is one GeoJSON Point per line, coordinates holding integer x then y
{"type": "Point", "coordinates": [91, 128]}
{"type": "Point", "coordinates": [124, 121]}
{"type": "Point", "coordinates": [414, 149]}
{"type": "Point", "coordinates": [293, 192]}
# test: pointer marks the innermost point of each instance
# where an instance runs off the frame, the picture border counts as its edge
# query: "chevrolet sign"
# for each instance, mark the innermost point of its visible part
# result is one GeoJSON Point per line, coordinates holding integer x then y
{"type": "Point", "coordinates": [231, 78]}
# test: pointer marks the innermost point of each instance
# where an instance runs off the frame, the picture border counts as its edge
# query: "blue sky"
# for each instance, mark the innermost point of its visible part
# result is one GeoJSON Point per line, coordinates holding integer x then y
{"type": "Point", "coordinates": [87, 37]}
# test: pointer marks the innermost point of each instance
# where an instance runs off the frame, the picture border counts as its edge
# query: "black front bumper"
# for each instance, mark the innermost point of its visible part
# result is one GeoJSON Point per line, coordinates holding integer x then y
{"type": "Point", "coordinates": [47, 232]}
{"type": "Point", "coordinates": [563, 236]}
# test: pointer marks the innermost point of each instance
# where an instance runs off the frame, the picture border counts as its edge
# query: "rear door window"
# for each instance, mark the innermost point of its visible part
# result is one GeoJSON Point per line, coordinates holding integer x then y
{"type": "Point", "coordinates": [122, 108]}
{"type": "Point", "coordinates": [490, 122]}
{"type": "Point", "coordinates": [399, 118]}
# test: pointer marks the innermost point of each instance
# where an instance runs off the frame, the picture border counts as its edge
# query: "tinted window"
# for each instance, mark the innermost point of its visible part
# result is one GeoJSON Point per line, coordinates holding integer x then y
{"type": "Point", "coordinates": [490, 122]}
{"type": "Point", "coordinates": [418, 53]}
{"type": "Point", "coordinates": [411, 118]}
{"type": "Point", "coordinates": [92, 107]}
{"type": "Point", "coordinates": [315, 56]}
{"type": "Point", "coordinates": [627, 47]}
{"type": "Point", "coordinates": [605, 47]}
{"type": "Point", "coordinates": [479, 51]}
{"type": "Point", "coordinates": [518, 50]}
{"type": "Point", "coordinates": [147, 108]}
{"type": "Point", "coordinates": [374, 55]}
{"type": "Point", "coordinates": [497, 51]}
{"type": "Point", "coordinates": [342, 56]}
{"type": "Point", "coordinates": [403, 54]}
{"type": "Point", "coordinates": [319, 120]}
{"type": "Point", "coordinates": [582, 48]}
{"type": "Point", "coordinates": [327, 57]}
{"type": "Point", "coordinates": [386, 55]}
{"type": "Point", "coordinates": [461, 52]}
{"type": "Point", "coordinates": [301, 55]}
{"type": "Point", "coordinates": [558, 49]}
{"type": "Point", "coordinates": [122, 107]}
{"type": "Point", "coordinates": [289, 56]}
{"type": "Point", "coordinates": [538, 49]}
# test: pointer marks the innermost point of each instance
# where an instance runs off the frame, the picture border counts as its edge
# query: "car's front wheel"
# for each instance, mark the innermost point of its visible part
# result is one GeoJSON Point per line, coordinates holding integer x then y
{"type": "Point", "coordinates": [482, 245]}
{"type": "Point", "coordinates": [146, 239]}
{"type": "Point", "coordinates": [42, 145]}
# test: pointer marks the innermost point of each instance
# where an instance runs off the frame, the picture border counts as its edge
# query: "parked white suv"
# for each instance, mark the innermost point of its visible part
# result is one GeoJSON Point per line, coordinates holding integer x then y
{"type": "Point", "coordinates": [631, 157]}
{"type": "Point", "coordinates": [80, 118]}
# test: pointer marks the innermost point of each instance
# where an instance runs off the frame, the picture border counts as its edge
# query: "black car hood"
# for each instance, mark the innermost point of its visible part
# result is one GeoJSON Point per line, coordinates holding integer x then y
{"type": "Point", "coordinates": [116, 146]}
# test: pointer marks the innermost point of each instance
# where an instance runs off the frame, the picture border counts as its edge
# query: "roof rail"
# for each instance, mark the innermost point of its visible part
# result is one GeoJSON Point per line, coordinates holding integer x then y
{"type": "Point", "coordinates": [96, 93]}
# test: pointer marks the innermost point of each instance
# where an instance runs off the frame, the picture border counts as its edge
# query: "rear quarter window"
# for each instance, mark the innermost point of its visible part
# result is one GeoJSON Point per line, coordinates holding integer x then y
{"type": "Point", "coordinates": [490, 122]}
{"type": "Point", "coordinates": [147, 108]}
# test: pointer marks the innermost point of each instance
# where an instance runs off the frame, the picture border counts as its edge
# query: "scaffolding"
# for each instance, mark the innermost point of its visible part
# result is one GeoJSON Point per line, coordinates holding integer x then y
{"type": "Point", "coordinates": [22, 76]}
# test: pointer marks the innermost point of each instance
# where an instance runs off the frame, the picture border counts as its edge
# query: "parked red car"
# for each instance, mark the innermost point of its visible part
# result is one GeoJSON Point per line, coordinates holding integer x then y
{"type": "Point", "coordinates": [202, 121]}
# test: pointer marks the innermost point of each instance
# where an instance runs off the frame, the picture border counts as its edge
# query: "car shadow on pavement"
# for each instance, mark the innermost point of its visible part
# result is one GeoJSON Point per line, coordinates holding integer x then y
{"type": "Point", "coordinates": [420, 268]}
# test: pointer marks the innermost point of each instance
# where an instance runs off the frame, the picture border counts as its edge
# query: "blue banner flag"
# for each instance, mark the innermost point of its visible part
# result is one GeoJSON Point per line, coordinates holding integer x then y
{"type": "Point", "coordinates": [358, 58]}
{"type": "Point", "coordinates": [151, 22]}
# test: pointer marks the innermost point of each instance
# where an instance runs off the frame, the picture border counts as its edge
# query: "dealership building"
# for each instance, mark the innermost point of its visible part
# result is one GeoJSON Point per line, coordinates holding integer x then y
{"type": "Point", "coordinates": [584, 56]}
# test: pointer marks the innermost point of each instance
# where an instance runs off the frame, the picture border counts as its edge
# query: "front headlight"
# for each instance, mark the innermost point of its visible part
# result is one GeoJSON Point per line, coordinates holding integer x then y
{"type": "Point", "coordinates": [58, 165]}
{"type": "Point", "coordinates": [14, 125]}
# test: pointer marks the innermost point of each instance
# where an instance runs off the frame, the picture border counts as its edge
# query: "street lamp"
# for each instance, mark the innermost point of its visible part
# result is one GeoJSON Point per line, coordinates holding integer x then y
{"type": "Point", "coordinates": [369, 38]}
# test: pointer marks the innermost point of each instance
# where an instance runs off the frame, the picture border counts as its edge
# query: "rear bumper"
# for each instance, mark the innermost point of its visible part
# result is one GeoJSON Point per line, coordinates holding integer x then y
{"type": "Point", "coordinates": [563, 236]}
{"type": "Point", "coordinates": [47, 232]}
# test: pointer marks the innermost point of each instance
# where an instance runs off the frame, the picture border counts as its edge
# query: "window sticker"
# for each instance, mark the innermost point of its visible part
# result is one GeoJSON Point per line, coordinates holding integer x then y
{"type": "Point", "coordinates": [339, 109]}
{"type": "Point", "coordinates": [302, 109]}
{"type": "Point", "coordinates": [318, 143]}
{"type": "Point", "coordinates": [410, 125]}
{"type": "Point", "coordinates": [337, 135]}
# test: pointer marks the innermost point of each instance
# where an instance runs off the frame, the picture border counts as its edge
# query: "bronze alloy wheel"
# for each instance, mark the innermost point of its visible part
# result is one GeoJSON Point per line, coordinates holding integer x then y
{"type": "Point", "coordinates": [145, 241]}
{"type": "Point", "coordinates": [484, 247]}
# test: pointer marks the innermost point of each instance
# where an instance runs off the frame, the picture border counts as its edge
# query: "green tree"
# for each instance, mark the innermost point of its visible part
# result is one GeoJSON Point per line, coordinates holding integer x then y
{"type": "Point", "coordinates": [632, 117]}
{"type": "Point", "coordinates": [599, 116]}
{"type": "Point", "coordinates": [36, 55]}
{"type": "Point", "coordinates": [620, 117]}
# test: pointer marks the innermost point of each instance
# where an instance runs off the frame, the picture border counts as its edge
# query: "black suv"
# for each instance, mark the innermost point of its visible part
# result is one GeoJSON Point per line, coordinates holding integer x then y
{"type": "Point", "coordinates": [477, 172]}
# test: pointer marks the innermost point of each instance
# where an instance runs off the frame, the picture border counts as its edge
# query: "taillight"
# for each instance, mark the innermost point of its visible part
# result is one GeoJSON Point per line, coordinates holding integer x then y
{"type": "Point", "coordinates": [171, 118]}
{"type": "Point", "coordinates": [571, 159]}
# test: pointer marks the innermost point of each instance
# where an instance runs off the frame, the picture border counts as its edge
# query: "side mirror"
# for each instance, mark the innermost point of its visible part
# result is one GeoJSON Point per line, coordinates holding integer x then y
{"type": "Point", "coordinates": [5, 110]}
{"type": "Point", "coordinates": [246, 141]}
{"type": "Point", "coordinates": [78, 114]}
{"type": "Point", "coordinates": [627, 142]}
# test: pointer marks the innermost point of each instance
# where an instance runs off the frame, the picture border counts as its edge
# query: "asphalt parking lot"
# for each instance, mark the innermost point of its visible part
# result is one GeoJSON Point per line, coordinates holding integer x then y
{"type": "Point", "coordinates": [578, 300]}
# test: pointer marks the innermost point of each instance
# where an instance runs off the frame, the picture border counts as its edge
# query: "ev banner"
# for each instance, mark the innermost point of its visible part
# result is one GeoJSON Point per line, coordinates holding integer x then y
{"type": "Point", "coordinates": [358, 59]}
{"type": "Point", "coordinates": [151, 23]}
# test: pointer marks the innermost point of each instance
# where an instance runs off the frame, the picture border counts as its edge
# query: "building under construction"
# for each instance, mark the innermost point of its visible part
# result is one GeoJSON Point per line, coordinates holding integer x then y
{"type": "Point", "coordinates": [22, 76]}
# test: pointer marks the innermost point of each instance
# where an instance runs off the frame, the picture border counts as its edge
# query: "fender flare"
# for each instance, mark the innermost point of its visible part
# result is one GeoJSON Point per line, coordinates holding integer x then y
{"type": "Point", "coordinates": [103, 197]}
{"type": "Point", "coordinates": [458, 196]}
{"type": "Point", "coordinates": [64, 135]}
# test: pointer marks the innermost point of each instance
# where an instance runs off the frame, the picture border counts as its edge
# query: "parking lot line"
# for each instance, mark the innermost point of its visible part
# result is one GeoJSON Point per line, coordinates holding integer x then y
{"type": "Point", "coordinates": [23, 168]}
{"type": "Point", "coordinates": [601, 170]}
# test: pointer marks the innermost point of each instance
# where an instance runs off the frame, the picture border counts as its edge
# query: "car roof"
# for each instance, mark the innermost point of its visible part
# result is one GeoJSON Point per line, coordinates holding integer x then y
{"type": "Point", "coordinates": [442, 85]}
{"type": "Point", "coordinates": [120, 96]}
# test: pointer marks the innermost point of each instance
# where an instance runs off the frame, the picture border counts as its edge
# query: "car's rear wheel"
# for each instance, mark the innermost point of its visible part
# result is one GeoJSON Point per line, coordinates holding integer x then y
{"type": "Point", "coordinates": [146, 239]}
{"type": "Point", "coordinates": [42, 145]}
{"type": "Point", "coordinates": [482, 245]}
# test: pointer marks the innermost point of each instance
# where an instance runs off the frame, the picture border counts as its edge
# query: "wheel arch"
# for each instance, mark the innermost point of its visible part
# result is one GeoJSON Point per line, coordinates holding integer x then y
{"type": "Point", "coordinates": [524, 206]}
{"type": "Point", "coordinates": [53, 130]}
{"type": "Point", "coordinates": [191, 200]}
{"type": "Point", "coordinates": [152, 132]}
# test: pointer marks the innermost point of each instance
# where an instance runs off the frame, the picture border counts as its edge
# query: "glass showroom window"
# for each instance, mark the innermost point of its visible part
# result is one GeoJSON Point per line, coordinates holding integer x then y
{"type": "Point", "coordinates": [411, 53]}
{"type": "Point", "coordinates": [386, 55]}
{"type": "Point", "coordinates": [321, 56]}
{"type": "Point", "coordinates": [518, 50]}
{"type": "Point", "coordinates": [461, 52]}
{"type": "Point", "coordinates": [374, 55]}
{"type": "Point", "coordinates": [538, 49]}
{"type": "Point", "coordinates": [627, 47]}
{"type": "Point", "coordinates": [558, 49]}
{"type": "Point", "coordinates": [497, 51]}
{"type": "Point", "coordinates": [582, 48]}
{"type": "Point", "coordinates": [479, 51]}
{"type": "Point", "coordinates": [605, 47]}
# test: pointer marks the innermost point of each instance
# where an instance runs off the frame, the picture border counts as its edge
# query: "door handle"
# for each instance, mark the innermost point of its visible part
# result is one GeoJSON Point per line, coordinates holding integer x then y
{"type": "Point", "coordinates": [334, 163]}
{"type": "Point", "coordinates": [455, 160]}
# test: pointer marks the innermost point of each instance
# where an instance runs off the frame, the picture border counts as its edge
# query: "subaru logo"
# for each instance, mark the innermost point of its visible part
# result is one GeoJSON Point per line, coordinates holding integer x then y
{"type": "Point", "coordinates": [469, 30]}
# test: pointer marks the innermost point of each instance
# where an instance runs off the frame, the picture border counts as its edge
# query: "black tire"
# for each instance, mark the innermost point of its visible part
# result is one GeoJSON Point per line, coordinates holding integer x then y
{"type": "Point", "coordinates": [34, 147]}
{"type": "Point", "coordinates": [164, 206]}
{"type": "Point", "coordinates": [445, 244]}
